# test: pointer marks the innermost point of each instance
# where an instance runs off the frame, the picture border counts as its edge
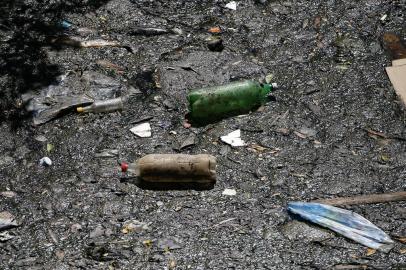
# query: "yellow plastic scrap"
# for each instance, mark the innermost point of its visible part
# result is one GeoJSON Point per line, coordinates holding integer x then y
{"type": "Point", "coordinates": [147, 243]}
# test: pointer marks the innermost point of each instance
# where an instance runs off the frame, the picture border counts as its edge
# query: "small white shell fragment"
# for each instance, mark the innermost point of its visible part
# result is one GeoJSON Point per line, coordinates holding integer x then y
{"type": "Point", "coordinates": [232, 5]}
{"type": "Point", "coordinates": [233, 138]}
{"type": "Point", "coordinates": [229, 192]}
{"type": "Point", "coordinates": [45, 161]}
{"type": "Point", "coordinates": [143, 130]}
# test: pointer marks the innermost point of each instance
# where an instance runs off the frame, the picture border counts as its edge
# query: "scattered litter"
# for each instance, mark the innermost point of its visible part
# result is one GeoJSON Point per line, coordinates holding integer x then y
{"type": "Point", "coordinates": [169, 244]}
{"type": "Point", "coordinates": [269, 78]}
{"type": "Point", "coordinates": [124, 166]}
{"type": "Point", "coordinates": [232, 5]}
{"type": "Point", "coordinates": [142, 130]}
{"type": "Point", "coordinates": [371, 251]}
{"type": "Point", "coordinates": [5, 236]}
{"type": "Point", "coordinates": [60, 254]}
{"type": "Point", "coordinates": [8, 194]}
{"type": "Point", "coordinates": [107, 153]}
{"type": "Point", "coordinates": [76, 227]}
{"type": "Point", "coordinates": [187, 125]}
{"type": "Point", "coordinates": [372, 133]}
{"type": "Point", "coordinates": [398, 79]}
{"type": "Point", "coordinates": [258, 148]}
{"type": "Point", "coordinates": [148, 242]}
{"type": "Point", "coordinates": [366, 199]}
{"type": "Point", "coordinates": [159, 203]}
{"type": "Point", "coordinates": [177, 168]}
{"type": "Point", "coordinates": [69, 92]}
{"type": "Point", "coordinates": [45, 161]}
{"type": "Point", "coordinates": [300, 135]}
{"type": "Point", "coordinates": [384, 17]}
{"type": "Point", "coordinates": [80, 43]}
{"type": "Point", "coordinates": [134, 226]}
{"type": "Point", "coordinates": [103, 106]}
{"type": "Point", "coordinates": [401, 239]}
{"type": "Point", "coordinates": [66, 24]}
{"type": "Point", "coordinates": [229, 192]}
{"type": "Point", "coordinates": [152, 31]}
{"type": "Point", "coordinates": [397, 71]}
{"type": "Point", "coordinates": [7, 221]}
{"type": "Point", "coordinates": [85, 31]}
{"type": "Point", "coordinates": [211, 104]}
{"type": "Point", "coordinates": [233, 138]}
{"type": "Point", "coordinates": [109, 65]}
{"type": "Point", "coordinates": [224, 221]}
{"type": "Point", "coordinates": [308, 132]}
{"type": "Point", "coordinates": [171, 264]}
{"type": "Point", "coordinates": [215, 30]}
{"type": "Point", "coordinates": [347, 223]}
{"type": "Point", "coordinates": [50, 147]}
{"type": "Point", "coordinates": [41, 138]}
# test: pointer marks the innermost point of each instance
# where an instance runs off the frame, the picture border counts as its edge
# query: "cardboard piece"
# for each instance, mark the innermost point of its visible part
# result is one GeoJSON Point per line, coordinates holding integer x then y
{"type": "Point", "coordinates": [397, 75]}
{"type": "Point", "coordinates": [399, 62]}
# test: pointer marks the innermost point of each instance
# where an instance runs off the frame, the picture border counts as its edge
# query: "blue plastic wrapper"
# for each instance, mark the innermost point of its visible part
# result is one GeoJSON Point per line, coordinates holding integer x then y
{"type": "Point", "coordinates": [344, 222]}
{"type": "Point", "coordinates": [65, 24]}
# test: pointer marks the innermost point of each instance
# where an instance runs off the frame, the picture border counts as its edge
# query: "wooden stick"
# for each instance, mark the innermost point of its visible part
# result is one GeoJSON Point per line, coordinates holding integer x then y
{"type": "Point", "coordinates": [366, 199]}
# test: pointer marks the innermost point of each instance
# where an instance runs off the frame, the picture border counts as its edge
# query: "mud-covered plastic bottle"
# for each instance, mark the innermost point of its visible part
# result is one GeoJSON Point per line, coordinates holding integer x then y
{"type": "Point", "coordinates": [103, 106]}
{"type": "Point", "coordinates": [174, 170]}
{"type": "Point", "coordinates": [208, 105]}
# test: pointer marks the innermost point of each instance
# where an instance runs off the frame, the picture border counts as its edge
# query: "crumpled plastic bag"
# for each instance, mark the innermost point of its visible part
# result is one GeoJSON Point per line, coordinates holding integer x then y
{"type": "Point", "coordinates": [347, 223]}
{"type": "Point", "coordinates": [71, 91]}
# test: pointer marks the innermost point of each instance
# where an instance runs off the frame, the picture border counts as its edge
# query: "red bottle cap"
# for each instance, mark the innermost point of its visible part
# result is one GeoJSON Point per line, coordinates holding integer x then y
{"type": "Point", "coordinates": [124, 166]}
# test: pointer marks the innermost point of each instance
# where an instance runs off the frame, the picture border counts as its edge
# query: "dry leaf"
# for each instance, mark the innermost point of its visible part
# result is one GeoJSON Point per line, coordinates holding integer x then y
{"type": "Point", "coordinates": [401, 239]}
{"type": "Point", "coordinates": [257, 148]}
{"type": "Point", "coordinates": [402, 251]}
{"type": "Point", "coordinates": [371, 251]}
{"type": "Point", "coordinates": [372, 133]}
{"type": "Point", "coordinates": [300, 135]}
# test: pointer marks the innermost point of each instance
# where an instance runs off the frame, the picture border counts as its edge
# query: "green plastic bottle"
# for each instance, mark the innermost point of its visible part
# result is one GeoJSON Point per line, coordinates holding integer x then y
{"type": "Point", "coordinates": [211, 104]}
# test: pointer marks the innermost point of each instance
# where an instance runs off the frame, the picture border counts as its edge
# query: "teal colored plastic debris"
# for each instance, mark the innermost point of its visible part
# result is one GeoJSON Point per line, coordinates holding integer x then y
{"type": "Point", "coordinates": [66, 24]}
{"type": "Point", "coordinates": [347, 223]}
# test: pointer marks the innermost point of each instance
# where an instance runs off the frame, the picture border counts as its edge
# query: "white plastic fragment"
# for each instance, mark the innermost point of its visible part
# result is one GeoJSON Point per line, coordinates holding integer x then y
{"type": "Point", "coordinates": [384, 17]}
{"type": "Point", "coordinates": [233, 138]}
{"type": "Point", "coordinates": [232, 5]}
{"type": "Point", "coordinates": [143, 130]}
{"type": "Point", "coordinates": [40, 138]}
{"type": "Point", "coordinates": [229, 192]}
{"type": "Point", "coordinates": [45, 161]}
